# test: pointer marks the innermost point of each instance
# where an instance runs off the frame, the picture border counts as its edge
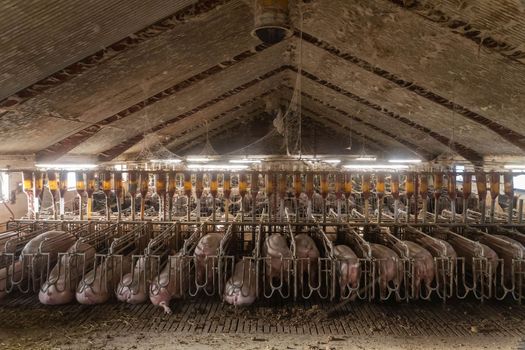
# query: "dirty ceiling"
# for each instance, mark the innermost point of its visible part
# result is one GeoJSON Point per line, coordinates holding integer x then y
{"type": "Point", "coordinates": [405, 76]}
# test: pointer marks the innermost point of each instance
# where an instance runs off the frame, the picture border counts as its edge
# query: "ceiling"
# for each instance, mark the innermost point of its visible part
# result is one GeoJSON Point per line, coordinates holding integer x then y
{"type": "Point", "coordinates": [117, 80]}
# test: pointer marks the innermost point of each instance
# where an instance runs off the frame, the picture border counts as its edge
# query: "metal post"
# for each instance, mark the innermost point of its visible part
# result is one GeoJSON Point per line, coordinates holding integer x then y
{"type": "Point", "coordinates": [492, 209]}
{"type": "Point", "coordinates": [436, 210]}
{"type": "Point", "coordinates": [520, 211]}
{"type": "Point", "coordinates": [108, 212]}
{"type": "Point", "coordinates": [510, 209]}
{"type": "Point", "coordinates": [396, 210]}
{"type": "Point", "coordinates": [465, 210]}
{"type": "Point", "coordinates": [483, 211]}
{"type": "Point", "coordinates": [379, 210]}
{"type": "Point", "coordinates": [425, 207]}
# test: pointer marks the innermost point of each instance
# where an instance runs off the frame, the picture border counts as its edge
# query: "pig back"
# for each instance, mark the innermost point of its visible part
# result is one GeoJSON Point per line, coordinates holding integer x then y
{"type": "Point", "coordinates": [208, 244]}
{"type": "Point", "coordinates": [389, 265]}
{"type": "Point", "coordinates": [275, 246]}
{"type": "Point", "coordinates": [345, 253]}
{"type": "Point", "coordinates": [437, 247]}
{"type": "Point", "coordinates": [305, 247]}
{"type": "Point", "coordinates": [51, 242]}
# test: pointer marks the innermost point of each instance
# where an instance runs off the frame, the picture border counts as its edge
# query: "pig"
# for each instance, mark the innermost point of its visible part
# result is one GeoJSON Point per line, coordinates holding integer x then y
{"type": "Point", "coordinates": [171, 283]}
{"type": "Point", "coordinates": [278, 265]}
{"type": "Point", "coordinates": [49, 243]}
{"type": "Point", "coordinates": [423, 267]}
{"type": "Point", "coordinates": [348, 268]}
{"type": "Point", "coordinates": [12, 272]}
{"type": "Point", "coordinates": [99, 284]}
{"type": "Point", "coordinates": [206, 253]}
{"type": "Point", "coordinates": [308, 259]}
{"type": "Point", "coordinates": [388, 267]}
{"type": "Point", "coordinates": [60, 286]}
{"type": "Point", "coordinates": [240, 289]}
{"type": "Point", "coordinates": [506, 248]}
{"type": "Point", "coordinates": [439, 248]}
{"type": "Point", "coordinates": [132, 287]}
{"type": "Point", "coordinates": [469, 251]}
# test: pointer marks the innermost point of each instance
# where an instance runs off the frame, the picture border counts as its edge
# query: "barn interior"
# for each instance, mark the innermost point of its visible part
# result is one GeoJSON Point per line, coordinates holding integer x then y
{"type": "Point", "coordinates": [262, 174]}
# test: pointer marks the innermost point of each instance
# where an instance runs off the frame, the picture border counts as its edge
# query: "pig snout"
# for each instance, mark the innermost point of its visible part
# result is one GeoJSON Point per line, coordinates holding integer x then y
{"type": "Point", "coordinates": [132, 287]}
{"type": "Point", "coordinates": [171, 283]}
{"type": "Point", "coordinates": [240, 289]}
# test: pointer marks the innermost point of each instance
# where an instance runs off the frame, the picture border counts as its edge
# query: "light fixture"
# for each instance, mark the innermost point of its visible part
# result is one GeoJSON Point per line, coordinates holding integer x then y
{"type": "Point", "coordinates": [217, 166]}
{"type": "Point", "coordinates": [198, 159]}
{"type": "Point", "coordinates": [366, 158]}
{"type": "Point", "coordinates": [514, 166]}
{"type": "Point", "coordinates": [376, 166]}
{"type": "Point", "coordinates": [169, 161]}
{"type": "Point", "coordinates": [245, 161]}
{"type": "Point", "coordinates": [404, 160]}
{"type": "Point", "coordinates": [331, 161]}
{"type": "Point", "coordinates": [66, 166]}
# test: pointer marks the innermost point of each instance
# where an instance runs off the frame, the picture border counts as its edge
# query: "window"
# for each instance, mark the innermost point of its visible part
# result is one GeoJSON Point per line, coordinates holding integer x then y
{"type": "Point", "coordinates": [71, 181]}
{"type": "Point", "coordinates": [459, 169]}
{"type": "Point", "coordinates": [4, 187]}
{"type": "Point", "coordinates": [519, 182]}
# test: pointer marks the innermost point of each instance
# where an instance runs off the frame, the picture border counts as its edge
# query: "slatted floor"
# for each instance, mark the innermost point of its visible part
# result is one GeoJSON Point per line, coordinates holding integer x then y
{"type": "Point", "coordinates": [209, 315]}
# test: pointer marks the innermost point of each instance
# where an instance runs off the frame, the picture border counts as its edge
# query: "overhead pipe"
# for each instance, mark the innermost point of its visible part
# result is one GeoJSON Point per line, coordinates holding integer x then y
{"type": "Point", "coordinates": [452, 195]}
{"type": "Point", "coordinates": [106, 188]}
{"type": "Point", "coordinates": [188, 192]}
{"type": "Point", "coordinates": [62, 189]}
{"type": "Point", "coordinates": [409, 190]}
{"type": "Point", "coordinates": [39, 191]}
{"type": "Point", "coordinates": [133, 186]}
{"type": "Point", "coordinates": [282, 193]}
{"type": "Point", "coordinates": [338, 192]}
{"type": "Point", "coordinates": [243, 189]}
{"type": "Point", "coordinates": [172, 189]}
{"type": "Point", "coordinates": [118, 188]}
{"type": "Point", "coordinates": [144, 187]}
{"type": "Point", "coordinates": [348, 192]}
{"type": "Point", "coordinates": [324, 192]}
{"type": "Point", "coordinates": [481, 185]}
{"type": "Point", "coordinates": [508, 187]}
{"type": "Point", "coordinates": [90, 189]}
{"type": "Point", "coordinates": [254, 188]}
{"type": "Point", "coordinates": [494, 193]}
{"type": "Point", "coordinates": [438, 187]}
{"type": "Point", "coordinates": [467, 191]}
{"type": "Point", "coordinates": [52, 184]}
{"type": "Point", "coordinates": [298, 189]}
{"type": "Point", "coordinates": [226, 190]}
{"type": "Point", "coordinates": [309, 189]}
{"type": "Point", "coordinates": [214, 189]}
{"type": "Point", "coordinates": [394, 189]}
{"type": "Point", "coordinates": [270, 189]}
{"type": "Point", "coordinates": [423, 192]}
{"type": "Point", "coordinates": [81, 189]}
{"type": "Point", "coordinates": [199, 189]}
{"type": "Point", "coordinates": [365, 192]}
{"type": "Point", "coordinates": [380, 192]}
